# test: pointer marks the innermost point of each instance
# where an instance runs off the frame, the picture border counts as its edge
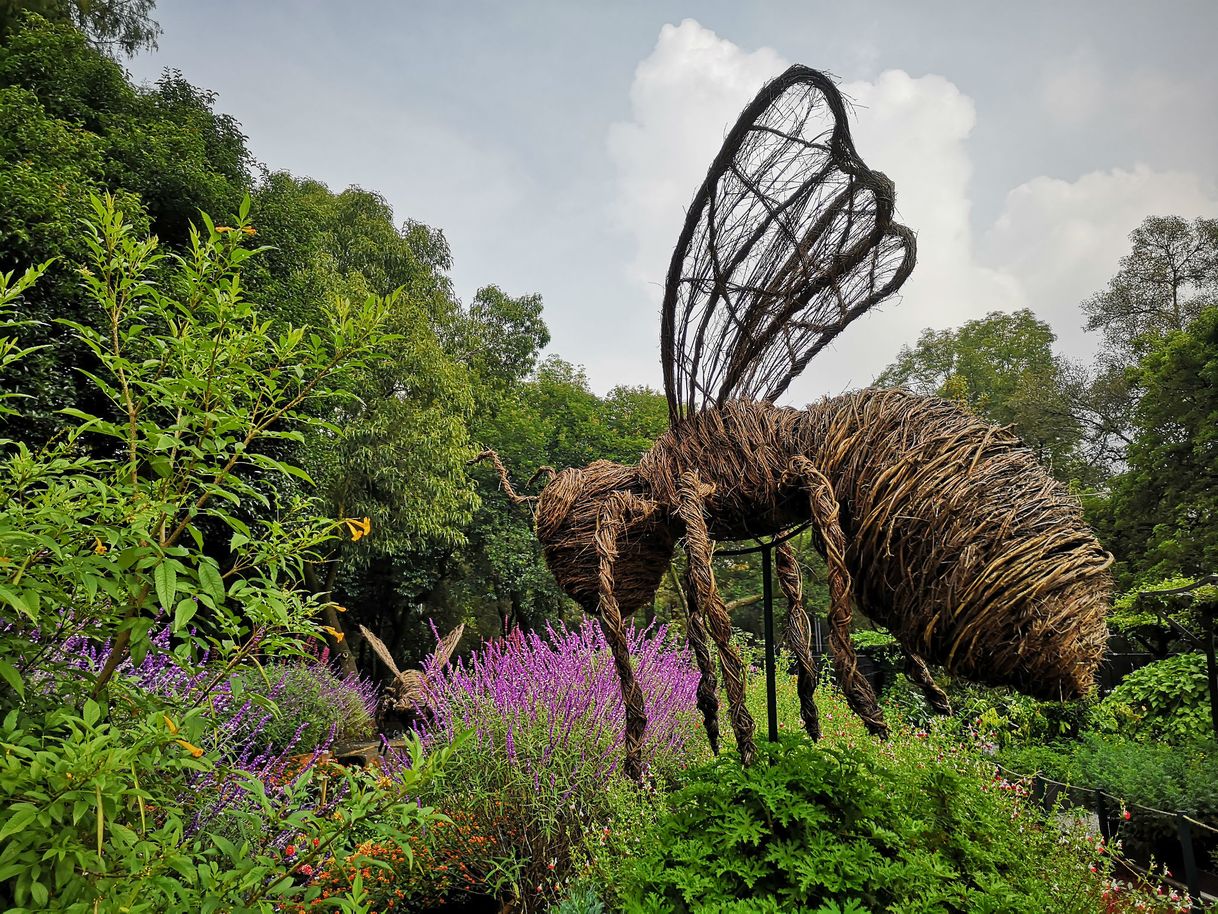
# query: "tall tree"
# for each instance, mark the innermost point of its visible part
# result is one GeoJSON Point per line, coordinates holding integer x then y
{"type": "Point", "coordinates": [71, 125]}
{"type": "Point", "coordinates": [1167, 278]}
{"type": "Point", "coordinates": [113, 26]}
{"type": "Point", "coordinates": [1163, 283]}
{"type": "Point", "coordinates": [1162, 515]}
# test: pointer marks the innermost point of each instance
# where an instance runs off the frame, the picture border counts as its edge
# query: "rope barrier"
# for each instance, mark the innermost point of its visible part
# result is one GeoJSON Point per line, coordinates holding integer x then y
{"type": "Point", "coordinates": [1097, 791]}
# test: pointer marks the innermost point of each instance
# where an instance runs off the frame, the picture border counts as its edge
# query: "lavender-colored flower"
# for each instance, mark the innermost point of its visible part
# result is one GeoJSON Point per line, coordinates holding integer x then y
{"type": "Point", "coordinates": [534, 696]}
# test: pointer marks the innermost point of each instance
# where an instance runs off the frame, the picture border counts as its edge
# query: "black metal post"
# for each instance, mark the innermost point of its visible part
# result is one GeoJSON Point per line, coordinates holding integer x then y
{"type": "Point", "coordinates": [1101, 813]}
{"type": "Point", "coordinates": [1211, 666]}
{"type": "Point", "coordinates": [771, 686]}
{"type": "Point", "coordinates": [1192, 877]}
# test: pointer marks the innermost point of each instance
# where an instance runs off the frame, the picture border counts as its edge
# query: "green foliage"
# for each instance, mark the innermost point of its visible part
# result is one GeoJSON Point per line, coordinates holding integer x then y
{"type": "Point", "coordinates": [1130, 614]}
{"type": "Point", "coordinates": [1002, 717]}
{"type": "Point", "coordinates": [1167, 278]}
{"type": "Point", "coordinates": [90, 818]}
{"type": "Point", "coordinates": [819, 829]}
{"type": "Point", "coordinates": [1166, 700]}
{"type": "Point", "coordinates": [583, 900]}
{"type": "Point", "coordinates": [1165, 523]}
{"type": "Point", "coordinates": [114, 26]}
{"type": "Point", "coordinates": [869, 638]}
{"type": "Point", "coordinates": [72, 126]}
{"type": "Point", "coordinates": [122, 521]}
{"type": "Point", "coordinates": [311, 701]}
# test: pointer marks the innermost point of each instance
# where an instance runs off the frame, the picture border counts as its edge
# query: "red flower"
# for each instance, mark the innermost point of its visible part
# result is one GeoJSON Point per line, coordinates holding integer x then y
{"type": "Point", "coordinates": [1125, 815]}
{"type": "Point", "coordinates": [290, 850]}
{"type": "Point", "coordinates": [307, 870]}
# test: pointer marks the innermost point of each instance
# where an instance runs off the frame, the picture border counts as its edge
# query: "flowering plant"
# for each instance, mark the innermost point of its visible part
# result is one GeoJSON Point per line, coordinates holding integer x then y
{"type": "Point", "coordinates": [545, 720]}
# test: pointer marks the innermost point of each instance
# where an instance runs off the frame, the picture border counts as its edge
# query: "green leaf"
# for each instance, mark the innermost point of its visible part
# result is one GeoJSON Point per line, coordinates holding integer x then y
{"type": "Point", "coordinates": [211, 581]}
{"type": "Point", "coordinates": [166, 577]}
{"type": "Point", "coordinates": [13, 678]}
{"type": "Point", "coordinates": [183, 613]}
{"type": "Point", "coordinates": [16, 602]}
{"type": "Point", "coordinates": [22, 815]}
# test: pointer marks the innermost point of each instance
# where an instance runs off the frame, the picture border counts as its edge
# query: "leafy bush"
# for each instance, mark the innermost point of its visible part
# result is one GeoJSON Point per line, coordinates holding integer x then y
{"type": "Point", "coordinates": [312, 705]}
{"type": "Point", "coordinates": [1158, 775]}
{"type": "Point", "coordinates": [582, 900]}
{"type": "Point", "coordinates": [1000, 718]}
{"type": "Point", "coordinates": [831, 829]}
{"type": "Point", "coordinates": [1153, 775]}
{"type": "Point", "coordinates": [146, 557]}
{"type": "Point", "coordinates": [1165, 700]}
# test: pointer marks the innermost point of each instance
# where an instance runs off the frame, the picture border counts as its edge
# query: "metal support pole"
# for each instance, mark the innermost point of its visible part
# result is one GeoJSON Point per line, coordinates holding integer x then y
{"type": "Point", "coordinates": [1192, 878]}
{"type": "Point", "coordinates": [771, 688]}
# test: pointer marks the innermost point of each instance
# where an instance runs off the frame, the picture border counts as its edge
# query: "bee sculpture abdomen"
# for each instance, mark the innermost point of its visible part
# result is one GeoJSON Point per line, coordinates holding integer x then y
{"type": "Point", "coordinates": [961, 543]}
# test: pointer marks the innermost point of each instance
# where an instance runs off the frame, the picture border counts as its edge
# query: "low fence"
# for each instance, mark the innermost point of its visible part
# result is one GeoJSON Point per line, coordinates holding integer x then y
{"type": "Point", "coordinates": [1191, 836]}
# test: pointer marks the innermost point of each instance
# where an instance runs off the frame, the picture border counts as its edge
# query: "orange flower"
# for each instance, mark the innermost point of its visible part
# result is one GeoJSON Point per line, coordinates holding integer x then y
{"type": "Point", "coordinates": [221, 229]}
{"type": "Point", "coordinates": [333, 632]}
{"type": "Point", "coordinates": [358, 528]}
{"type": "Point", "coordinates": [249, 230]}
{"type": "Point", "coordinates": [194, 750]}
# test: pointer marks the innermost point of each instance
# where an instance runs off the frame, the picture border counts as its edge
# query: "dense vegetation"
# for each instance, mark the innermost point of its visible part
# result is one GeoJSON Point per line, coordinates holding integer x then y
{"type": "Point", "coordinates": [237, 410]}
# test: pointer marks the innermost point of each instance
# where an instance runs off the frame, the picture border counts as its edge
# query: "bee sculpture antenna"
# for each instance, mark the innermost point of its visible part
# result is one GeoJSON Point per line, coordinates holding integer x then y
{"type": "Point", "coordinates": [505, 481]}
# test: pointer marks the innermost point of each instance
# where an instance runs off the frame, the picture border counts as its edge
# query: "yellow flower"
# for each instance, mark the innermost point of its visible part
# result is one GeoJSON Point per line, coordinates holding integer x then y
{"type": "Point", "coordinates": [221, 229]}
{"type": "Point", "coordinates": [340, 609]}
{"type": "Point", "coordinates": [173, 728]}
{"type": "Point", "coordinates": [333, 632]}
{"type": "Point", "coordinates": [99, 547]}
{"type": "Point", "coordinates": [194, 750]}
{"type": "Point", "coordinates": [358, 528]}
{"type": "Point", "coordinates": [249, 230]}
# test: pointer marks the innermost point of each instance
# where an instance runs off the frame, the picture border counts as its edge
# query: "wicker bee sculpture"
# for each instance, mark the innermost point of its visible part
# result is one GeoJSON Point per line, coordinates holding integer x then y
{"type": "Point", "coordinates": [937, 525]}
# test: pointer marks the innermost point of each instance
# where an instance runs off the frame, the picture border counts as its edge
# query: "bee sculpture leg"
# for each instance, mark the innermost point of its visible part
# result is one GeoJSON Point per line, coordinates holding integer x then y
{"type": "Point", "coordinates": [799, 636]}
{"type": "Point", "coordinates": [619, 510]}
{"type": "Point", "coordinates": [919, 675]}
{"type": "Point", "coordinates": [708, 688]}
{"type": "Point", "coordinates": [859, 694]}
{"type": "Point", "coordinates": [691, 494]}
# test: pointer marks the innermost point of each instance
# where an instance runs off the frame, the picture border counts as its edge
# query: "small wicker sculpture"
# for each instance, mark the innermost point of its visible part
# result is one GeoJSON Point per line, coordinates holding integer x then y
{"type": "Point", "coordinates": [406, 699]}
{"type": "Point", "coordinates": [938, 525]}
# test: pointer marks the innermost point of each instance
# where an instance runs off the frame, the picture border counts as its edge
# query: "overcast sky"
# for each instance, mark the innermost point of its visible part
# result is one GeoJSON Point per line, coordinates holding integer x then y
{"type": "Point", "coordinates": [558, 143]}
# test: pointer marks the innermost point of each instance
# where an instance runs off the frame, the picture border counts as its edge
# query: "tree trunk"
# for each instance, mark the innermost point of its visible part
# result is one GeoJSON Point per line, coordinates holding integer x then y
{"type": "Point", "coordinates": [338, 644]}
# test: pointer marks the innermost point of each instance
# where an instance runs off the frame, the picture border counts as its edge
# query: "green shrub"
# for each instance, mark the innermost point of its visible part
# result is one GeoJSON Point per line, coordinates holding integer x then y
{"type": "Point", "coordinates": [583, 900]}
{"type": "Point", "coordinates": [310, 701]}
{"type": "Point", "coordinates": [817, 829]}
{"type": "Point", "coordinates": [1154, 775]}
{"type": "Point", "coordinates": [1166, 700]}
{"type": "Point", "coordinates": [167, 506]}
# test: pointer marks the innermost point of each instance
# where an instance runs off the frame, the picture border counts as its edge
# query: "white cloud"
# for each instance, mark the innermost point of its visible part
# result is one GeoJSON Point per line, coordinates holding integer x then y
{"type": "Point", "coordinates": [684, 98]}
{"type": "Point", "coordinates": [1054, 243]}
{"type": "Point", "coordinates": [1064, 239]}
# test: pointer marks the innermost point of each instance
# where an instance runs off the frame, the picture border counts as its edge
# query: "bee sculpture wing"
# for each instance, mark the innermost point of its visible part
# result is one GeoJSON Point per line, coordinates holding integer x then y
{"type": "Point", "coordinates": [788, 240]}
{"type": "Point", "coordinates": [444, 650]}
{"type": "Point", "coordinates": [378, 648]}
